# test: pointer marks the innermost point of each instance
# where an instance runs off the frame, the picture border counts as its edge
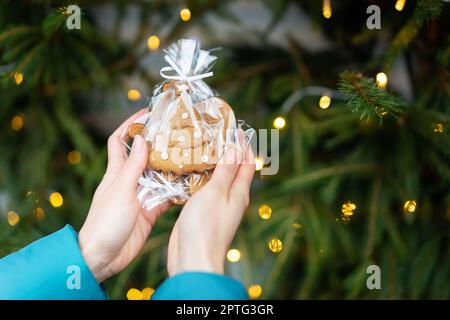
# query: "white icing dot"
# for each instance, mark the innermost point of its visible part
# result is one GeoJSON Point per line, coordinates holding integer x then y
{"type": "Point", "coordinates": [205, 158]}
{"type": "Point", "coordinates": [181, 138]}
{"type": "Point", "coordinates": [185, 115]}
{"type": "Point", "coordinates": [164, 156]}
{"type": "Point", "coordinates": [180, 166]}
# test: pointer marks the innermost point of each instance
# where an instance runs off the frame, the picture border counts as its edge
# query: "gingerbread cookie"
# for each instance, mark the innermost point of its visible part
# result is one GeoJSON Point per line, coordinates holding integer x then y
{"type": "Point", "coordinates": [197, 181]}
{"type": "Point", "coordinates": [183, 161]}
{"type": "Point", "coordinates": [136, 128]}
{"type": "Point", "coordinates": [183, 117]}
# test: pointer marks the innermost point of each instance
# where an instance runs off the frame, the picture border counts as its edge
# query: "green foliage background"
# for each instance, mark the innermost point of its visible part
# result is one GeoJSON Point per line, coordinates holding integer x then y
{"type": "Point", "coordinates": [374, 147]}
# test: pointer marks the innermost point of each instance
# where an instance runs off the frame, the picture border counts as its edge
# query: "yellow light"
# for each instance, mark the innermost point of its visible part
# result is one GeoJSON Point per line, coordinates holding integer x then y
{"type": "Point", "coordinates": [259, 163]}
{"type": "Point", "coordinates": [153, 42]}
{"type": "Point", "coordinates": [74, 157]}
{"type": "Point", "coordinates": [439, 128]}
{"type": "Point", "coordinates": [279, 123]}
{"type": "Point", "coordinates": [147, 293]}
{"type": "Point", "coordinates": [13, 218]}
{"type": "Point", "coordinates": [134, 95]}
{"type": "Point", "coordinates": [18, 77]}
{"type": "Point", "coordinates": [17, 122]}
{"type": "Point", "coordinates": [296, 225]}
{"type": "Point", "coordinates": [275, 245]}
{"type": "Point", "coordinates": [326, 9]}
{"type": "Point", "coordinates": [382, 80]}
{"type": "Point", "coordinates": [324, 102]}
{"type": "Point", "coordinates": [56, 199]}
{"type": "Point", "coordinates": [185, 14]}
{"type": "Point", "coordinates": [381, 111]}
{"type": "Point", "coordinates": [39, 214]}
{"type": "Point", "coordinates": [265, 212]}
{"type": "Point", "coordinates": [399, 5]}
{"type": "Point", "coordinates": [254, 291]}
{"type": "Point", "coordinates": [134, 294]}
{"type": "Point", "coordinates": [348, 208]}
{"type": "Point", "coordinates": [233, 255]}
{"type": "Point", "coordinates": [410, 206]}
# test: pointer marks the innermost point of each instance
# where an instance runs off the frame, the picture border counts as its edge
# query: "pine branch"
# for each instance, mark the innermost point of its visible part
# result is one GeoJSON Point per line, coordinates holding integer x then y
{"type": "Point", "coordinates": [366, 99]}
{"type": "Point", "coordinates": [425, 11]}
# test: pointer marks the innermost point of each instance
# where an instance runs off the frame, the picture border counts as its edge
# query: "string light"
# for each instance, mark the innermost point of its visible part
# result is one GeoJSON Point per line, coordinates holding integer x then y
{"type": "Point", "coordinates": [134, 294]}
{"type": "Point", "coordinates": [324, 102]}
{"type": "Point", "coordinates": [56, 199]}
{"type": "Point", "coordinates": [134, 95]}
{"type": "Point", "coordinates": [185, 14]}
{"type": "Point", "coordinates": [39, 214]}
{"type": "Point", "coordinates": [410, 206]}
{"type": "Point", "coordinates": [399, 5]}
{"type": "Point", "coordinates": [326, 9]}
{"type": "Point", "coordinates": [381, 111]}
{"type": "Point", "coordinates": [265, 212]}
{"type": "Point", "coordinates": [382, 80]}
{"type": "Point", "coordinates": [259, 163]}
{"type": "Point", "coordinates": [233, 255]}
{"type": "Point", "coordinates": [13, 218]}
{"type": "Point", "coordinates": [254, 291]}
{"type": "Point", "coordinates": [17, 122]}
{"type": "Point", "coordinates": [74, 157]}
{"type": "Point", "coordinates": [147, 293]}
{"type": "Point", "coordinates": [296, 226]}
{"type": "Point", "coordinates": [18, 77]}
{"type": "Point", "coordinates": [153, 42]}
{"type": "Point", "coordinates": [439, 128]}
{"type": "Point", "coordinates": [279, 123]}
{"type": "Point", "coordinates": [348, 208]}
{"type": "Point", "coordinates": [275, 245]}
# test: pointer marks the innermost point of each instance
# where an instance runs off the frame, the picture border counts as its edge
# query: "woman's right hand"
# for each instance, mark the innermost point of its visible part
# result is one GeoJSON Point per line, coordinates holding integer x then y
{"type": "Point", "coordinates": [209, 220]}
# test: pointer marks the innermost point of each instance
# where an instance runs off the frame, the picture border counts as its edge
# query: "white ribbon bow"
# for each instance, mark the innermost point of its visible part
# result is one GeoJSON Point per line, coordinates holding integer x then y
{"type": "Point", "coordinates": [180, 75]}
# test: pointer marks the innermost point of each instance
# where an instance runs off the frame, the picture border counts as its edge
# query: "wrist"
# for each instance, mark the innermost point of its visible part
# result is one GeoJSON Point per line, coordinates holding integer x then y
{"type": "Point", "coordinates": [196, 263]}
{"type": "Point", "coordinates": [91, 254]}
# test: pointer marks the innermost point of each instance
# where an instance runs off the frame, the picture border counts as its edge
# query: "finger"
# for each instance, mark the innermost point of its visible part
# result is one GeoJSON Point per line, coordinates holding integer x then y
{"type": "Point", "coordinates": [135, 164]}
{"type": "Point", "coordinates": [116, 150]}
{"type": "Point", "coordinates": [153, 215]}
{"type": "Point", "coordinates": [227, 167]}
{"type": "Point", "coordinates": [240, 188]}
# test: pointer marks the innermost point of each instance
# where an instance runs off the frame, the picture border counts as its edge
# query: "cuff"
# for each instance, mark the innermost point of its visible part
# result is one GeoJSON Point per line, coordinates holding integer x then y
{"type": "Point", "coordinates": [49, 268]}
{"type": "Point", "coordinates": [200, 286]}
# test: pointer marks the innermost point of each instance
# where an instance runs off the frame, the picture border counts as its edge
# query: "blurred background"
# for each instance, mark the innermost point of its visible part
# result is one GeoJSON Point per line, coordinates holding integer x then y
{"type": "Point", "coordinates": [363, 114]}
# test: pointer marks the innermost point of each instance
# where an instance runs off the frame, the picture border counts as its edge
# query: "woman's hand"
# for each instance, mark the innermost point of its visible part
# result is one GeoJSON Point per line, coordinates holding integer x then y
{"type": "Point", "coordinates": [117, 226]}
{"type": "Point", "coordinates": [209, 220]}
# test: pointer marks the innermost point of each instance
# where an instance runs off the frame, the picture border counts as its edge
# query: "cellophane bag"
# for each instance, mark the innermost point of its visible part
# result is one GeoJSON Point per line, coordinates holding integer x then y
{"type": "Point", "coordinates": [187, 129]}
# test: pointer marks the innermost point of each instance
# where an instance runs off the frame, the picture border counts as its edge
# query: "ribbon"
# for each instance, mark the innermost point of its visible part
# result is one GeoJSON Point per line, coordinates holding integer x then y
{"type": "Point", "coordinates": [180, 75]}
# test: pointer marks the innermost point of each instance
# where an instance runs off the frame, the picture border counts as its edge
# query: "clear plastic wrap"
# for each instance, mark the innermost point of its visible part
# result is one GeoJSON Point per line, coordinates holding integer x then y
{"type": "Point", "coordinates": [187, 130]}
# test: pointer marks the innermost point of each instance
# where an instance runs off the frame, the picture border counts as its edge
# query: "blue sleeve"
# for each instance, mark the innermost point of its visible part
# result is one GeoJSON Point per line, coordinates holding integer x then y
{"type": "Point", "coordinates": [200, 286]}
{"type": "Point", "coordinates": [49, 268]}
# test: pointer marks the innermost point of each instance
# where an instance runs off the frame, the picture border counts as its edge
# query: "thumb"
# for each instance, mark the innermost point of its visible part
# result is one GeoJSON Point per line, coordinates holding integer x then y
{"type": "Point", "coordinates": [136, 162]}
{"type": "Point", "coordinates": [227, 168]}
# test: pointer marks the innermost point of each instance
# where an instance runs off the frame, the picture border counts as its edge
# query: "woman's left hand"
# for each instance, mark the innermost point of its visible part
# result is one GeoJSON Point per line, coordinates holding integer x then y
{"type": "Point", "coordinates": [117, 226]}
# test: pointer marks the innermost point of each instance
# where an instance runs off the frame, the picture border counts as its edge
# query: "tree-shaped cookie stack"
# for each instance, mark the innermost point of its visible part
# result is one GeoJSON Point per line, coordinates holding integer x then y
{"type": "Point", "coordinates": [187, 129]}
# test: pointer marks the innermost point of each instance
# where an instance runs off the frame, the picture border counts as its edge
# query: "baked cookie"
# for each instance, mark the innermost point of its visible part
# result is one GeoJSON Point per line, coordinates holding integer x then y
{"type": "Point", "coordinates": [136, 128]}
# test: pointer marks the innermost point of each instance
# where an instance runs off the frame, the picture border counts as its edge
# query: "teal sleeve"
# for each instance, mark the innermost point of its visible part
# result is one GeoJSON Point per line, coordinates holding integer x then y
{"type": "Point", "coordinates": [200, 286]}
{"type": "Point", "coordinates": [49, 268]}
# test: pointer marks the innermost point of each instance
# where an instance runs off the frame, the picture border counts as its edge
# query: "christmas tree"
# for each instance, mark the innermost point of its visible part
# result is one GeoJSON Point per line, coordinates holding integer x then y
{"type": "Point", "coordinates": [361, 102]}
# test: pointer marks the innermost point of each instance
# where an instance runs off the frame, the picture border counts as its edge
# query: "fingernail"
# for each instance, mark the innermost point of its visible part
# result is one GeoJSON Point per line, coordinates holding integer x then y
{"type": "Point", "coordinates": [138, 142]}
